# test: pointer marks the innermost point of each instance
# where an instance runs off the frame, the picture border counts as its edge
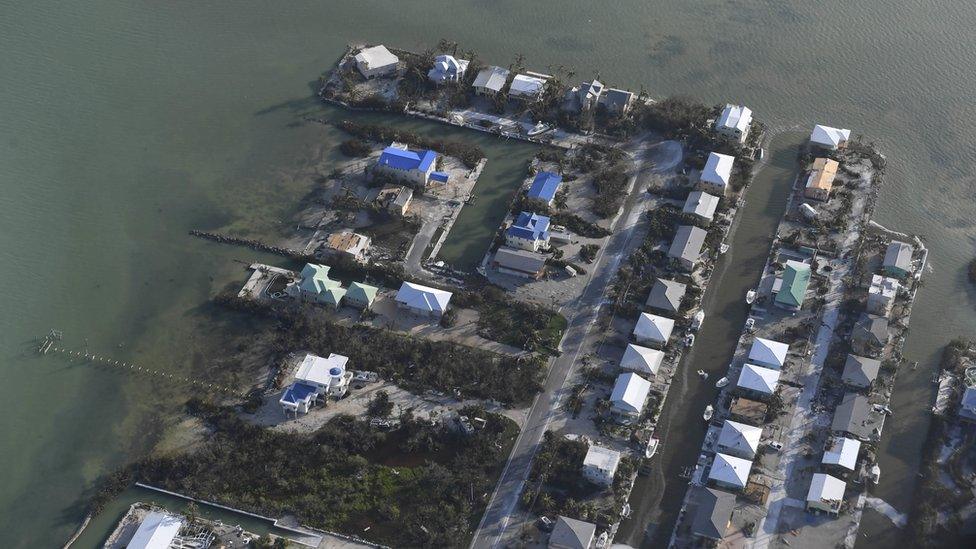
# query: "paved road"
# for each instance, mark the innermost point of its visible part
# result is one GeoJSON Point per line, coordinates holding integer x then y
{"type": "Point", "coordinates": [649, 158]}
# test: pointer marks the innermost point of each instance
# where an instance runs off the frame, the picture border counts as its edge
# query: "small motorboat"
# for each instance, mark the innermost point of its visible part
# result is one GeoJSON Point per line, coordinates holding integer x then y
{"type": "Point", "coordinates": [651, 448]}
{"type": "Point", "coordinates": [875, 473]}
{"type": "Point", "coordinates": [696, 322]}
{"type": "Point", "coordinates": [539, 129]}
{"type": "Point", "coordinates": [722, 382]}
{"type": "Point", "coordinates": [750, 324]}
{"type": "Point", "coordinates": [690, 340]}
{"type": "Point", "coordinates": [703, 374]}
{"type": "Point", "coordinates": [750, 296]}
{"type": "Point", "coordinates": [723, 247]}
{"type": "Point", "coordinates": [625, 512]}
{"type": "Point", "coordinates": [709, 411]}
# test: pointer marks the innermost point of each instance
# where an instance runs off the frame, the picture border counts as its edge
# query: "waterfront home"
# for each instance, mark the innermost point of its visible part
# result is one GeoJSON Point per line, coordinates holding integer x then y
{"type": "Point", "coordinates": [829, 138]}
{"type": "Point", "coordinates": [157, 530]}
{"type": "Point", "coordinates": [967, 405]}
{"type": "Point", "coordinates": [701, 204]}
{"type": "Point", "coordinates": [826, 494]}
{"type": "Point", "coordinates": [418, 300]}
{"type": "Point", "coordinates": [841, 453]}
{"type": "Point", "coordinates": [870, 335]}
{"type": "Point", "coordinates": [713, 512]}
{"type": "Point", "coordinates": [447, 68]}
{"type": "Point", "coordinates": [529, 231]}
{"type": "Point", "coordinates": [859, 371]}
{"type": "Point", "coordinates": [298, 398]}
{"type": "Point", "coordinates": [686, 248]}
{"type": "Point", "coordinates": [738, 439]}
{"type": "Point", "coordinates": [376, 61]}
{"type": "Point", "coordinates": [360, 295]}
{"type": "Point", "coordinates": [347, 244]}
{"type": "Point", "coordinates": [821, 179]}
{"type": "Point", "coordinates": [544, 187]}
{"type": "Point", "coordinates": [853, 417]}
{"type": "Point", "coordinates": [395, 198]}
{"type": "Point", "coordinates": [490, 81]}
{"type": "Point", "coordinates": [748, 411]}
{"type": "Point", "coordinates": [327, 375]}
{"type": "Point", "coordinates": [653, 329]}
{"type": "Point", "coordinates": [881, 294]}
{"type": "Point", "coordinates": [589, 94]}
{"type": "Point", "coordinates": [643, 360]}
{"type": "Point", "coordinates": [629, 394]}
{"type": "Point", "coordinates": [600, 465]}
{"type": "Point", "coordinates": [313, 284]}
{"type": "Point", "coordinates": [791, 288]}
{"type": "Point", "coordinates": [734, 122]}
{"type": "Point", "coordinates": [521, 263]}
{"type": "Point", "coordinates": [730, 471]}
{"type": "Point", "coordinates": [527, 87]}
{"type": "Point", "coordinates": [757, 381]}
{"type": "Point", "coordinates": [717, 174]}
{"type": "Point", "coordinates": [571, 534]}
{"type": "Point", "coordinates": [618, 102]}
{"type": "Point", "coordinates": [666, 296]}
{"type": "Point", "coordinates": [898, 259]}
{"type": "Point", "coordinates": [768, 353]}
{"type": "Point", "coordinates": [403, 164]}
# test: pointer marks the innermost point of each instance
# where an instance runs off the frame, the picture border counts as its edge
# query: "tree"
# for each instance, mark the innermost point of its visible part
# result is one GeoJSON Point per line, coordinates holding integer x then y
{"type": "Point", "coordinates": [380, 405]}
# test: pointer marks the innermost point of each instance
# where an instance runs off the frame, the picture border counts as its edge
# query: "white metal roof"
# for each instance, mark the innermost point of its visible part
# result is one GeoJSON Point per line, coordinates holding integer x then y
{"type": "Point", "coordinates": [376, 56]}
{"type": "Point", "coordinates": [316, 369]}
{"type": "Point", "coordinates": [423, 298]}
{"type": "Point", "coordinates": [735, 116]}
{"type": "Point", "coordinates": [601, 458]}
{"type": "Point", "coordinates": [701, 204]}
{"type": "Point", "coordinates": [758, 378]}
{"type": "Point", "coordinates": [492, 78]}
{"type": "Point", "coordinates": [641, 359]}
{"type": "Point", "coordinates": [767, 352]}
{"type": "Point", "coordinates": [156, 531]}
{"type": "Point", "coordinates": [730, 470]}
{"type": "Point", "coordinates": [829, 137]}
{"type": "Point", "coordinates": [629, 393]}
{"type": "Point", "coordinates": [718, 169]}
{"type": "Point", "coordinates": [843, 452]}
{"type": "Point", "coordinates": [526, 86]}
{"type": "Point", "coordinates": [653, 328]}
{"type": "Point", "coordinates": [740, 437]}
{"type": "Point", "coordinates": [826, 489]}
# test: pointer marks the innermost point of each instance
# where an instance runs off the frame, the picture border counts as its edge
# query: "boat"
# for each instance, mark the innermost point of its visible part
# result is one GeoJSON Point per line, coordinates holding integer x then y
{"type": "Point", "coordinates": [750, 324]}
{"type": "Point", "coordinates": [690, 340]}
{"type": "Point", "coordinates": [696, 322]}
{"type": "Point", "coordinates": [723, 248]}
{"type": "Point", "coordinates": [750, 296]}
{"type": "Point", "coordinates": [709, 411]}
{"type": "Point", "coordinates": [722, 382]}
{"type": "Point", "coordinates": [539, 129]}
{"type": "Point", "coordinates": [651, 448]}
{"type": "Point", "coordinates": [703, 374]}
{"type": "Point", "coordinates": [875, 473]}
{"type": "Point", "coordinates": [625, 512]}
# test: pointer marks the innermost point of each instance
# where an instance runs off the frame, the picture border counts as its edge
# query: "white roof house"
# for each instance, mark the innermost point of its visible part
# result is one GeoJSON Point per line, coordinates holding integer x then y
{"type": "Point", "coordinates": [653, 329]}
{"type": "Point", "coordinates": [641, 359]}
{"type": "Point", "coordinates": [717, 171]}
{"type": "Point", "coordinates": [447, 68]}
{"type": "Point", "coordinates": [156, 531]}
{"type": "Point", "coordinates": [759, 379]}
{"type": "Point", "coordinates": [629, 394]}
{"type": "Point", "coordinates": [600, 464]}
{"type": "Point", "coordinates": [734, 121]}
{"type": "Point", "coordinates": [376, 61]}
{"type": "Point", "coordinates": [730, 471]}
{"type": "Point", "coordinates": [526, 87]}
{"type": "Point", "coordinates": [701, 204]}
{"type": "Point", "coordinates": [768, 353]}
{"type": "Point", "coordinates": [740, 440]}
{"type": "Point", "coordinates": [490, 80]}
{"type": "Point", "coordinates": [422, 299]}
{"type": "Point", "coordinates": [321, 372]}
{"type": "Point", "coordinates": [829, 138]}
{"type": "Point", "coordinates": [842, 452]}
{"type": "Point", "coordinates": [826, 493]}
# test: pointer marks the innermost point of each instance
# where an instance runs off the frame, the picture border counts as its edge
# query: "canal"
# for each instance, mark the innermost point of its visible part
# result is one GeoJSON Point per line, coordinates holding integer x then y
{"type": "Point", "coordinates": [657, 497]}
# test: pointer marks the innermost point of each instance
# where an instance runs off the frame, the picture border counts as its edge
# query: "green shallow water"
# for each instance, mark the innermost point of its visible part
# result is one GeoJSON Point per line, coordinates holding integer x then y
{"type": "Point", "coordinates": [125, 124]}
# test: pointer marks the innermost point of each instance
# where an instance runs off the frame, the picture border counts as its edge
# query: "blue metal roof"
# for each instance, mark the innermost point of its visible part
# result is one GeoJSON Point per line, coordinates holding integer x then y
{"type": "Point", "coordinates": [297, 392]}
{"type": "Point", "coordinates": [530, 226]}
{"type": "Point", "coordinates": [439, 176]}
{"type": "Point", "coordinates": [544, 186]}
{"type": "Point", "coordinates": [403, 159]}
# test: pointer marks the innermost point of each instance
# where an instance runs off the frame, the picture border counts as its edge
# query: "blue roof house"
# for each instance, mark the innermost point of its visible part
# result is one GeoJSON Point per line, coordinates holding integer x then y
{"type": "Point", "coordinates": [405, 165]}
{"type": "Point", "coordinates": [544, 187]}
{"type": "Point", "coordinates": [298, 397]}
{"type": "Point", "coordinates": [530, 231]}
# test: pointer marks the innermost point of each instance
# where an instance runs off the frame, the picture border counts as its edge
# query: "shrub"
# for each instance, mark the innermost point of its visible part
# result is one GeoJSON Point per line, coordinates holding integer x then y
{"type": "Point", "coordinates": [355, 148]}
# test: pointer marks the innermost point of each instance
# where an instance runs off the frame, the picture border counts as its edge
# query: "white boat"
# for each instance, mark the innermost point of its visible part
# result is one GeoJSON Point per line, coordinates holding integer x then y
{"type": "Point", "coordinates": [625, 512]}
{"type": "Point", "coordinates": [709, 411]}
{"type": "Point", "coordinates": [690, 340]}
{"type": "Point", "coordinates": [722, 382]}
{"type": "Point", "coordinates": [539, 129]}
{"type": "Point", "coordinates": [723, 247]}
{"type": "Point", "coordinates": [750, 296]}
{"type": "Point", "coordinates": [696, 322]}
{"type": "Point", "coordinates": [875, 473]}
{"type": "Point", "coordinates": [703, 374]}
{"type": "Point", "coordinates": [651, 448]}
{"type": "Point", "coordinates": [750, 324]}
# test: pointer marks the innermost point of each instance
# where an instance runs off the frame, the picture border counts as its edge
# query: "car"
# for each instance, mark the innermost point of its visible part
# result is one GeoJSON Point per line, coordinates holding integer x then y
{"type": "Point", "coordinates": [776, 445]}
{"type": "Point", "coordinates": [545, 523]}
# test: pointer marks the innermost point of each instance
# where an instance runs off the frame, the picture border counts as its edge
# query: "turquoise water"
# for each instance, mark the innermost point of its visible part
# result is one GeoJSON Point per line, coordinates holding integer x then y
{"type": "Point", "coordinates": [128, 123]}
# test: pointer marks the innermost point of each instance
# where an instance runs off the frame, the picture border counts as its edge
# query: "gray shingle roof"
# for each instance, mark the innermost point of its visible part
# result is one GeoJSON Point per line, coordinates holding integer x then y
{"type": "Point", "coordinates": [666, 295]}
{"type": "Point", "coordinates": [519, 260]}
{"type": "Point", "coordinates": [572, 533]}
{"type": "Point", "coordinates": [860, 371]}
{"type": "Point", "coordinates": [713, 512]}
{"type": "Point", "coordinates": [852, 416]}
{"type": "Point", "coordinates": [687, 243]}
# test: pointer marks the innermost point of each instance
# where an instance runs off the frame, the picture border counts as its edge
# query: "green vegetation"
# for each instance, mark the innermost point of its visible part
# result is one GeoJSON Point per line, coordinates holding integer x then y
{"type": "Point", "coordinates": [588, 252]}
{"type": "Point", "coordinates": [610, 184]}
{"type": "Point", "coordinates": [676, 117]}
{"type": "Point", "coordinates": [578, 225]}
{"type": "Point", "coordinates": [355, 148]}
{"type": "Point", "coordinates": [469, 153]}
{"type": "Point", "coordinates": [503, 319]}
{"type": "Point", "coordinates": [380, 405]}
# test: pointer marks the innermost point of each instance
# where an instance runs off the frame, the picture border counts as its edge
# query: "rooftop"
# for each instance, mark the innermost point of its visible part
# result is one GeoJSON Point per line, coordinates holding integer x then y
{"type": "Point", "coordinates": [405, 159]}
{"type": "Point", "coordinates": [823, 174]}
{"type": "Point", "coordinates": [376, 56]}
{"type": "Point", "coordinates": [860, 371]}
{"type": "Point", "coordinates": [853, 416]}
{"type": "Point", "coordinates": [666, 295]}
{"type": "Point", "coordinates": [630, 392]}
{"type": "Point", "coordinates": [423, 298]}
{"type": "Point", "coordinates": [524, 85]}
{"type": "Point", "coordinates": [796, 279]}
{"type": "Point", "coordinates": [701, 204]}
{"type": "Point", "coordinates": [641, 359]}
{"type": "Point", "coordinates": [492, 78]}
{"type": "Point", "coordinates": [829, 137]}
{"type": "Point", "coordinates": [653, 328]}
{"type": "Point", "coordinates": [740, 437]}
{"type": "Point", "coordinates": [687, 243]}
{"type": "Point", "coordinates": [826, 490]}
{"type": "Point", "coordinates": [713, 513]}
{"type": "Point", "coordinates": [730, 470]}
{"type": "Point", "coordinates": [767, 352]}
{"type": "Point", "coordinates": [156, 531]}
{"type": "Point", "coordinates": [601, 458]}
{"type": "Point", "coordinates": [735, 116]}
{"type": "Point", "coordinates": [572, 533]}
{"type": "Point", "coordinates": [530, 226]}
{"type": "Point", "coordinates": [321, 371]}
{"type": "Point", "coordinates": [842, 452]}
{"type": "Point", "coordinates": [544, 186]}
{"type": "Point", "coordinates": [757, 378]}
{"type": "Point", "coordinates": [898, 255]}
{"type": "Point", "coordinates": [718, 169]}
{"type": "Point", "coordinates": [519, 260]}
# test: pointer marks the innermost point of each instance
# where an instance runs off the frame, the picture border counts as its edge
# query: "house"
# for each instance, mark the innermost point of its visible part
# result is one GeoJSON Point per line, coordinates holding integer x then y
{"type": "Point", "coordinates": [967, 405]}
{"type": "Point", "coordinates": [600, 465]}
{"type": "Point", "coordinates": [898, 260]}
{"type": "Point", "coordinates": [629, 394]}
{"type": "Point", "coordinates": [859, 371]}
{"type": "Point", "coordinates": [571, 534]}
{"type": "Point", "coordinates": [529, 231]}
{"type": "Point", "coordinates": [157, 530]}
{"type": "Point", "coordinates": [821, 179]}
{"type": "Point", "coordinates": [298, 398]}
{"type": "Point", "coordinates": [544, 187]}
{"type": "Point", "coordinates": [423, 301]}
{"type": "Point", "coordinates": [490, 81]}
{"type": "Point", "coordinates": [739, 440]}
{"type": "Point", "coordinates": [666, 295]}
{"type": "Point", "coordinates": [793, 285]}
{"type": "Point", "coordinates": [313, 284]}
{"type": "Point", "coordinates": [618, 102]}
{"type": "Point", "coordinates": [518, 262]}
{"type": "Point", "coordinates": [447, 68]}
{"type": "Point", "coordinates": [826, 494]}
{"type": "Point", "coordinates": [881, 294]}
{"type": "Point", "coordinates": [376, 61]}
{"type": "Point", "coordinates": [829, 138]}
{"type": "Point", "coordinates": [327, 375]}
{"type": "Point", "coordinates": [642, 360]}
{"type": "Point", "coordinates": [842, 453]}
{"type": "Point", "coordinates": [701, 204]}
{"type": "Point", "coordinates": [768, 353]}
{"type": "Point", "coordinates": [527, 87]}
{"type": "Point", "coordinates": [395, 198]}
{"type": "Point", "coordinates": [730, 471]}
{"type": "Point", "coordinates": [870, 334]}
{"type": "Point", "coordinates": [360, 296]}
{"type": "Point", "coordinates": [589, 94]}
{"type": "Point", "coordinates": [713, 512]}
{"type": "Point", "coordinates": [332, 297]}
{"type": "Point", "coordinates": [686, 248]}
{"type": "Point", "coordinates": [734, 122]}
{"type": "Point", "coordinates": [348, 244]}
{"type": "Point", "coordinates": [402, 164]}
{"type": "Point", "coordinates": [717, 173]}
{"type": "Point", "coordinates": [853, 417]}
{"type": "Point", "coordinates": [653, 329]}
{"type": "Point", "coordinates": [747, 410]}
{"type": "Point", "coordinates": [757, 380]}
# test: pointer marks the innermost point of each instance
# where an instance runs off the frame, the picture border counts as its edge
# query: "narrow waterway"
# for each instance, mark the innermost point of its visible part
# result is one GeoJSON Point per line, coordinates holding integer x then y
{"type": "Point", "coordinates": [657, 497]}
